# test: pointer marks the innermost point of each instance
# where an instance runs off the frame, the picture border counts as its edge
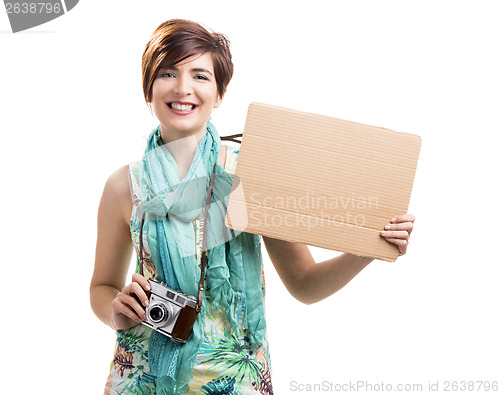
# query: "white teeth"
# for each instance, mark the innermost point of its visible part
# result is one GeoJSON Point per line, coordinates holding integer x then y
{"type": "Point", "coordinates": [181, 107]}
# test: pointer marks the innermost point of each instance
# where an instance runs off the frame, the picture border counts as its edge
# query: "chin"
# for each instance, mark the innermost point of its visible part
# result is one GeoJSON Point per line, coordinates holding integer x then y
{"type": "Point", "coordinates": [183, 130]}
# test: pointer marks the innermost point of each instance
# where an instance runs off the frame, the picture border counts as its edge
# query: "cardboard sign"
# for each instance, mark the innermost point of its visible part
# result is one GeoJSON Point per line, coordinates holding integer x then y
{"type": "Point", "coordinates": [321, 181]}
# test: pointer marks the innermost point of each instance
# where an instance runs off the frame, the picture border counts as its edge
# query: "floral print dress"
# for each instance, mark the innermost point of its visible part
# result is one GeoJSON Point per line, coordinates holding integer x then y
{"type": "Point", "coordinates": [225, 364]}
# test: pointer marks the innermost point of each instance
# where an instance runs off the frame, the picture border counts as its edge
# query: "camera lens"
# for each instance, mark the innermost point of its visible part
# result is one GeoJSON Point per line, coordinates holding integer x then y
{"type": "Point", "coordinates": [158, 313]}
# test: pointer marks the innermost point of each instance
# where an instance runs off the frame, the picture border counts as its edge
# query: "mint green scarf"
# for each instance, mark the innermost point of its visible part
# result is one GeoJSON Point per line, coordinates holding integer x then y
{"type": "Point", "coordinates": [233, 276]}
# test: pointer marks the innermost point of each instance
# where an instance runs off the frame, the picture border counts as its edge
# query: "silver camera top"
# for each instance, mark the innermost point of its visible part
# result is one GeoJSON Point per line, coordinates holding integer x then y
{"type": "Point", "coordinates": [161, 289]}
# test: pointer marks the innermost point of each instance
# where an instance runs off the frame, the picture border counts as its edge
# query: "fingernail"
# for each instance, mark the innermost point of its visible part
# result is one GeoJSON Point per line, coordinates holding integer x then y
{"type": "Point", "coordinates": [383, 232]}
{"type": "Point", "coordinates": [387, 226]}
{"type": "Point", "coordinates": [146, 303]}
{"type": "Point", "coordinates": [393, 220]}
{"type": "Point", "coordinates": [144, 317]}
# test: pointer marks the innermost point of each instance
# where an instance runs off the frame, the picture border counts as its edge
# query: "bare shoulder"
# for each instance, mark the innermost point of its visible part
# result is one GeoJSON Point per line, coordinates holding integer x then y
{"type": "Point", "coordinates": [116, 199]}
{"type": "Point", "coordinates": [118, 180]}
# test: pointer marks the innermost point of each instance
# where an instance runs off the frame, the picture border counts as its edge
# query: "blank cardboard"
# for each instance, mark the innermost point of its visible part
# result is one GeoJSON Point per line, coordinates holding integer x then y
{"type": "Point", "coordinates": [321, 181]}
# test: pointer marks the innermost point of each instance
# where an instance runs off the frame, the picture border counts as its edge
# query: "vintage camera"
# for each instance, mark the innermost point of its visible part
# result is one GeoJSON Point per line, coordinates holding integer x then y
{"type": "Point", "coordinates": [170, 312]}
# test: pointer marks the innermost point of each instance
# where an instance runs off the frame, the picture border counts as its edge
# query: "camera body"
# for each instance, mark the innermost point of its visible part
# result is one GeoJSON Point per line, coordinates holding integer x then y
{"type": "Point", "coordinates": [170, 312]}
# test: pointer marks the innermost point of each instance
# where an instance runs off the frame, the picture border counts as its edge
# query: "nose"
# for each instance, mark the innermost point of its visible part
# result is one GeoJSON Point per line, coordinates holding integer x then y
{"type": "Point", "coordinates": [183, 85]}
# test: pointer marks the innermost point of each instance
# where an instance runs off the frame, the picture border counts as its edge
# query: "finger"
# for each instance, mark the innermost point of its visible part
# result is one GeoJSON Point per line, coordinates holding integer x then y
{"type": "Point", "coordinates": [136, 290]}
{"type": "Point", "coordinates": [397, 234]}
{"type": "Point", "coordinates": [403, 218]}
{"type": "Point", "coordinates": [130, 313]}
{"type": "Point", "coordinates": [142, 281]}
{"type": "Point", "coordinates": [406, 226]}
{"type": "Point", "coordinates": [134, 305]}
{"type": "Point", "coordinates": [401, 244]}
{"type": "Point", "coordinates": [119, 307]}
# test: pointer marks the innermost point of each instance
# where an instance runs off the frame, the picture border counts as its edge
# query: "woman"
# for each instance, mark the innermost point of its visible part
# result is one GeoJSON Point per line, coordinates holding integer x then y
{"type": "Point", "coordinates": [156, 206]}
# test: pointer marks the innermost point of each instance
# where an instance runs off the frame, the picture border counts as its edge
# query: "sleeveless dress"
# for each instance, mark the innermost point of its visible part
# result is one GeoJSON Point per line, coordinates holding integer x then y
{"type": "Point", "coordinates": [225, 364]}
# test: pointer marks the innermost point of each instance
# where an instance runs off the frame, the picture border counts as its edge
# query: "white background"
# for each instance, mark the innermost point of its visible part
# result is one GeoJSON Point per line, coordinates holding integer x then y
{"type": "Point", "coordinates": [72, 112]}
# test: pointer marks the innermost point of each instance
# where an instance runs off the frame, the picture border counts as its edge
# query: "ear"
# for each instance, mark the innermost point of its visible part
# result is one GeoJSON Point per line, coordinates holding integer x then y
{"type": "Point", "coordinates": [219, 100]}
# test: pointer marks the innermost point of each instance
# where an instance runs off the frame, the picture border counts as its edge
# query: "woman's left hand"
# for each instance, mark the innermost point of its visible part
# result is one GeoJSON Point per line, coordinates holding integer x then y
{"type": "Point", "coordinates": [398, 231]}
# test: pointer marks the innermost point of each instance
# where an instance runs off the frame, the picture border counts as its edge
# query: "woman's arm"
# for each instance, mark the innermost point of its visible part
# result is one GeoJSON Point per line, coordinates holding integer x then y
{"type": "Point", "coordinates": [310, 282]}
{"type": "Point", "coordinates": [110, 299]}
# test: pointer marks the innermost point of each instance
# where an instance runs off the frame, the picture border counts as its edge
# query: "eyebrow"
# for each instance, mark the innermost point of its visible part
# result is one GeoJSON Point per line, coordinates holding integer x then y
{"type": "Point", "coordinates": [195, 70]}
{"type": "Point", "coordinates": [201, 70]}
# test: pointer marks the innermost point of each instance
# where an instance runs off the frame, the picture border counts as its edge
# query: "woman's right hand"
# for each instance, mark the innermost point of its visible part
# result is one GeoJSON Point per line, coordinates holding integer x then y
{"type": "Point", "coordinates": [126, 311]}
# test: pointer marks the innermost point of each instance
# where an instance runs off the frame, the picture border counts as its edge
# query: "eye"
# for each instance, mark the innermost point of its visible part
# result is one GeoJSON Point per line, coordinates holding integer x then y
{"type": "Point", "coordinates": [166, 74]}
{"type": "Point", "coordinates": [201, 77]}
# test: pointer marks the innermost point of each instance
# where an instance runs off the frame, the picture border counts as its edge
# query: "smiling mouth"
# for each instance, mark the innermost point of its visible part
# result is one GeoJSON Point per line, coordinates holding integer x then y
{"type": "Point", "coordinates": [181, 107]}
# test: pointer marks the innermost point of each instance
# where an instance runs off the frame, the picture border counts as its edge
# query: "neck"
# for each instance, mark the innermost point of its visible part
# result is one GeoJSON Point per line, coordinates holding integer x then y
{"type": "Point", "coordinates": [183, 149]}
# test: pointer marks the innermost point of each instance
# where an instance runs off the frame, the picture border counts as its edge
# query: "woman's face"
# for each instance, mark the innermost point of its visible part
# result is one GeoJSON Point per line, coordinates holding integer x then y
{"type": "Point", "coordinates": [184, 96]}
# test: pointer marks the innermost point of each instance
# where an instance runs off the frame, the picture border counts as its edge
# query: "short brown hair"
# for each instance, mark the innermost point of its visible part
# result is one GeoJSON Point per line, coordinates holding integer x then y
{"type": "Point", "coordinates": [178, 39]}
